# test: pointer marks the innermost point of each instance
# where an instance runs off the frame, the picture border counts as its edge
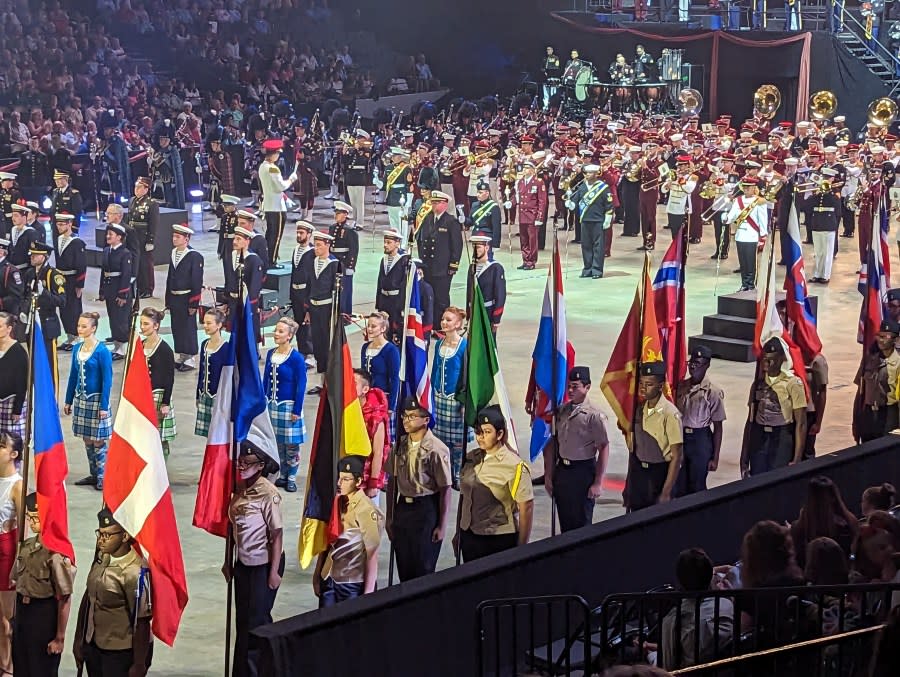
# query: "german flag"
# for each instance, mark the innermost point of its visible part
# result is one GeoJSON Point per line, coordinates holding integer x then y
{"type": "Point", "coordinates": [340, 430]}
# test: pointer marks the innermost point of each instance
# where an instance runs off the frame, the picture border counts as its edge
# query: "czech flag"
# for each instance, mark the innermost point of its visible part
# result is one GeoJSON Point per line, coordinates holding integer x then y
{"type": "Point", "coordinates": [50, 463]}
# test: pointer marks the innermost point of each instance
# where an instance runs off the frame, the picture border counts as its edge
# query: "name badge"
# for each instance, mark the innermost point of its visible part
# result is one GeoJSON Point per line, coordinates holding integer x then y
{"type": "Point", "coordinates": [442, 230]}
{"type": "Point", "coordinates": [534, 189]}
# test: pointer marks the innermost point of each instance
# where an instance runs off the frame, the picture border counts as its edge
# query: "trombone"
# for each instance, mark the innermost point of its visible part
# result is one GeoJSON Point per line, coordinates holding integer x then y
{"type": "Point", "coordinates": [657, 181]}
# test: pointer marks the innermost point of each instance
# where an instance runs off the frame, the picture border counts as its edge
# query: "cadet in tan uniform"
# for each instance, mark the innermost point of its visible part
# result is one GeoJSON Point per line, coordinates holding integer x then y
{"type": "Point", "coordinates": [349, 568]}
{"type": "Point", "coordinates": [775, 432]}
{"type": "Point", "coordinates": [655, 444]}
{"type": "Point", "coordinates": [418, 495]}
{"type": "Point", "coordinates": [573, 474]}
{"type": "Point", "coordinates": [496, 499]}
{"type": "Point", "coordinates": [702, 407]}
{"type": "Point", "coordinates": [256, 524]}
{"type": "Point", "coordinates": [113, 634]}
{"type": "Point", "coordinates": [875, 408]}
{"type": "Point", "coordinates": [44, 582]}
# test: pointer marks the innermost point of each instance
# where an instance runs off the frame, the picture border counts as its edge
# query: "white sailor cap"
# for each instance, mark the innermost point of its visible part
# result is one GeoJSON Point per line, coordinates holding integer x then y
{"type": "Point", "coordinates": [494, 132]}
{"type": "Point", "coordinates": [803, 123]}
{"type": "Point", "coordinates": [591, 168]}
{"type": "Point", "coordinates": [829, 149]}
{"type": "Point", "coordinates": [840, 118]}
{"type": "Point", "coordinates": [634, 149]}
{"type": "Point", "coordinates": [363, 134]}
{"type": "Point", "coordinates": [842, 143]}
{"type": "Point", "coordinates": [245, 214]}
{"type": "Point", "coordinates": [791, 161]}
{"type": "Point", "coordinates": [407, 133]}
{"type": "Point", "coordinates": [182, 228]}
{"type": "Point", "coordinates": [229, 199]}
{"type": "Point", "coordinates": [321, 235]}
{"type": "Point", "coordinates": [116, 227]}
{"type": "Point", "coordinates": [752, 164]}
{"type": "Point", "coordinates": [480, 239]}
{"type": "Point", "coordinates": [64, 216]}
{"type": "Point", "coordinates": [391, 234]}
{"type": "Point", "coordinates": [675, 138]}
{"type": "Point", "coordinates": [306, 225]}
{"type": "Point", "coordinates": [4, 243]}
{"type": "Point", "coordinates": [447, 136]}
{"type": "Point", "coordinates": [18, 207]}
{"type": "Point", "coordinates": [244, 232]}
{"type": "Point", "coordinates": [33, 206]}
{"type": "Point", "coordinates": [7, 176]}
{"type": "Point", "coordinates": [878, 149]}
{"type": "Point", "coordinates": [439, 196]}
{"type": "Point", "coordinates": [340, 206]}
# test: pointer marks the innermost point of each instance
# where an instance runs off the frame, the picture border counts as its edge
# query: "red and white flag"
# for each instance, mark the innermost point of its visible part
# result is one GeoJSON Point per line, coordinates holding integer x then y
{"type": "Point", "coordinates": [136, 490]}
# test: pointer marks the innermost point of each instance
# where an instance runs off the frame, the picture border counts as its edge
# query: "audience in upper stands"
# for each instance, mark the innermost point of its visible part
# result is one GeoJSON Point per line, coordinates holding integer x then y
{"type": "Point", "coordinates": [823, 514]}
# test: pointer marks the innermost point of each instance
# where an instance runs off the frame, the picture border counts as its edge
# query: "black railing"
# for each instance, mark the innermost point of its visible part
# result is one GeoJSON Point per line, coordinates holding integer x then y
{"type": "Point", "coordinates": [548, 634]}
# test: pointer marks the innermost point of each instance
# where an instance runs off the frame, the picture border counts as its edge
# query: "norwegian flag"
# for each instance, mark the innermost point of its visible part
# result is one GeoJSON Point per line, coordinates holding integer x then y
{"type": "Point", "coordinates": [136, 490]}
{"type": "Point", "coordinates": [668, 299]}
{"type": "Point", "coordinates": [797, 306]}
{"type": "Point", "coordinates": [875, 278]}
{"type": "Point", "coordinates": [415, 381]}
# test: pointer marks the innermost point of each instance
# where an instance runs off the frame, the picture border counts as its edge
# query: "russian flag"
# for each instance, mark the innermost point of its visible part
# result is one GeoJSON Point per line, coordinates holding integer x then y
{"type": "Point", "coordinates": [798, 308]}
{"type": "Point", "coordinates": [50, 464]}
{"type": "Point", "coordinates": [668, 301]}
{"type": "Point", "coordinates": [874, 279]}
{"type": "Point", "coordinates": [551, 359]}
{"type": "Point", "coordinates": [414, 378]}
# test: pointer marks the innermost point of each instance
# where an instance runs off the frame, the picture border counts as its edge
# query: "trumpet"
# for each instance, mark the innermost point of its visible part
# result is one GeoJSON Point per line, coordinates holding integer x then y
{"type": "Point", "coordinates": [657, 181]}
{"type": "Point", "coordinates": [471, 159]}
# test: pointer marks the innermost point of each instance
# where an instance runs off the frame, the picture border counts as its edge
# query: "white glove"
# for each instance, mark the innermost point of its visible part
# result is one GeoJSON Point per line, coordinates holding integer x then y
{"type": "Point", "coordinates": [379, 184]}
{"type": "Point", "coordinates": [607, 222]}
{"type": "Point", "coordinates": [570, 205]}
{"type": "Point", "coordinates": [293, 177]}
{"type": "Point", "coordinates": [148, 247]}
{"type": "Point", "coordinates": [539, 223]}
{"type": "Point", "coordinates": [460, 212]}
{"type": "Point", "coordinates": [507, 205]}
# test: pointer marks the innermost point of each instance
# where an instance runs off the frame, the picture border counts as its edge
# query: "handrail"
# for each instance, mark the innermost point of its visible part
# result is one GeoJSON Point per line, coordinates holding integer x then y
{"type": "Point", "coordinates": [731, 660]}
{"type": "Point", "coordinates": [892, 60]}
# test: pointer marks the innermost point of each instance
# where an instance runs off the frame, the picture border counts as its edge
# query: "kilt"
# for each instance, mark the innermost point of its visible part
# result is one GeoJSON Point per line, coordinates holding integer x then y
{"type": "Point", "coordinates": [9, 422]}
{"type": "Point", "coordinates": [450, 428]}
{"type": "Point", "coordinates": [205, 405]}
{"type": "Point", "coordinates": [165, 424]}
{"type": "Point", "coordinates": [86, 421]}
{"type": "Point", "coordinates": [287, 431]}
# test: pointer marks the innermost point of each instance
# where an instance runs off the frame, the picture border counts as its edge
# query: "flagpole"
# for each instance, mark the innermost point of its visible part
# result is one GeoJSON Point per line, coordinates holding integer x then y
{"type": "Point", "coordinates": [681, 288]}
{"type": "Point", "coordinates": [470, 296]}
{"type": "Point", "coordinates": [554, 316]}
{"type": "Point", "coordinates": [640, 346]}
{"type": "Point", "coordinates": [29, 423]}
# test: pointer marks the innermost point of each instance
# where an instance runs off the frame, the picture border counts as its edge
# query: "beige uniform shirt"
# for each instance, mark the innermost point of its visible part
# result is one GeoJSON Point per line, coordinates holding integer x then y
{"type": "Point", "coordinates": [662, 424]}
{"type": "Point", "coordinates": [816, 378]}
{"type": "Point", "coordinates": [701, 404]}
{"type": "Point", "coordinates": [491, 487]}
{"type": "Point", "coordinates": [581, 431]}
{"type": "Point", "coordinates": [255, 513]}
{"type": "Point", "coordinates": [422, 468]}
{"type": "Point", "coordinates": [362, 524]}
{"type": "Point", "coordinates": [116, 596]}
{"type": "Point", "coordinates": [776, 399]}
{"type": "Point", "coordinates": [41, 574]}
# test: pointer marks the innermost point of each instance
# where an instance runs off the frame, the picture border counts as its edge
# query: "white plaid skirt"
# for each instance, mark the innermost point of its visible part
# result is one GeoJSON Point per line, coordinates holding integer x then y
{"type": "Point", "coordinates": [165, 424]}
{"type": "Point", "coordinates": [86, 421]}
{"type": "Point", "coordinates": [287, 431]}
{"type": "Point", "coordinates": [10, 422]}
{"type": "Point", "coordinates": [205, 405]}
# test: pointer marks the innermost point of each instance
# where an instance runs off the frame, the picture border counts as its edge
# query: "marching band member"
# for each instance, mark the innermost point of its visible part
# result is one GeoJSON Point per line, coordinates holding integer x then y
{"type": "Point", "coordinates": [184, 283]}
{"type": "Point", "coordinates": [750, 218]}
{"type": "Point", "coordinates": [650, 175]}
{"type": "Point", "coordinates": [531, 197]}
{"type": "Point", "coordinates": [87, 397]}
{"type": "Point", "coordinates": [680, 189]}
{"type": "Point", "coordinates": [630, 189]}
{"type": "Point", "coordinates": [397, 181]}
{"type": "Point", "coordinates": [593, 202]}
{"type": "Point", "coordinates": [725, 181]}
{"type": "Point", "coordinates": [854, 170]}
{"type": "Point", "coordinates": [143, 217]}
{"type": "Point", "coordinates": [273, 186]}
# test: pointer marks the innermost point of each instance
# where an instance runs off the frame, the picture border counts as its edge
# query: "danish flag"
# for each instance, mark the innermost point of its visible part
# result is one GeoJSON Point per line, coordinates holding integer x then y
{"type": "Point", "coordinates": [136, 490]}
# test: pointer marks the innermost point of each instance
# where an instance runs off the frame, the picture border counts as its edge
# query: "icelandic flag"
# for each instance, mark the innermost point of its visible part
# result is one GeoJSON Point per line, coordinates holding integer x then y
{"type": "Point", "coordinates": [414, 378]}
{"type": "Point", "coordinates": [668, 301]}
{"type": "Point", "coordinates": [550, 362]}
{"type": "Point", "coordinates": [874, 279]}
{"type": "Point", "coordinates": [797, 305]}
{"type": "Point", "coordinates": [50, 463]}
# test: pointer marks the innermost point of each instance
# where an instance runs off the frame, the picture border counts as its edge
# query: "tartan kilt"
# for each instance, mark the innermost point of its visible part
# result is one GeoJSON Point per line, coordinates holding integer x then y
{"type": "Point", "coordinates": [9, 422]}
{"type": "Point", "coordinates": [287, 431]}
{"type": "Point", "coordinates": [165, 424]}
{"type": "Point", "coordinates": [86, 421]}
{"type": "Point", "coordinates": [205, 405]}
{"type": "Point", "coordinates": [449, 426]}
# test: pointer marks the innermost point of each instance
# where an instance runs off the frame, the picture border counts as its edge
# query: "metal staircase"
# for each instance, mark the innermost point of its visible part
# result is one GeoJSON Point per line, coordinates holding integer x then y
{"type": "Point", "coordinates": [878, 61]}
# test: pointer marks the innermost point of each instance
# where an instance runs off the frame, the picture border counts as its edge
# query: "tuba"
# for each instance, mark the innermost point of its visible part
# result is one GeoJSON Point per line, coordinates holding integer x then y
{"type": "Point", "coordinates": [882, 112]}
{"type": "Point", "coordinates": [822, 105]}
{"type": "Point", "coordinates": [766, 101]}
{"type": "Point", "coordinates": [690, 102]}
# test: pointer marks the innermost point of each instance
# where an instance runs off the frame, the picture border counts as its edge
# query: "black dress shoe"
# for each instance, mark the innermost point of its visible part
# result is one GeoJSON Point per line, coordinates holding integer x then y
{"type": "Point", "coordinates": [315, 390]}
{"type": "Point", "coordinates": [281, 483]}
{"type": "Point", "coordinates": [88, 481]}
{"type": "Point", "coordinates": [736, 270]}
{"type": "Point", "coordinates": [846, 234]}
{"type": "Point", "coordinates": [629, 235]}
{"type": "Point", "coordinates": [291, 486]}
{"type": "Point", "coordinates": [714, 256]}
{"type": "Point", "coordinates": [117, 356]}
{"type": "Point", "coordinates": [694, 240]}
{"type": "Point", "coordinates": [724, 257]}
{"type": "Point", "coordinates": [576, 241]}
{"type": "Point", "coordinates": [642, 248]}
{"type": "Point", "coordinates": [522, 267]}
{"type": "Point", "coordinates": [146, 295]}
{"type": "Point", "coordinates": [597, 277]}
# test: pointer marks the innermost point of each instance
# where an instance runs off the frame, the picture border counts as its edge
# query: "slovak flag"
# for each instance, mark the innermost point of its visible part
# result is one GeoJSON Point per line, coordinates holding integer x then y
{"type": "Point", "coordinates": [874, 279]}
{"type": "Point", "coordinates": [551, 360]}
{"type": "Point", "coordinates": [414, 378]}
{"type": "Point", "coordinates": [50, 463]}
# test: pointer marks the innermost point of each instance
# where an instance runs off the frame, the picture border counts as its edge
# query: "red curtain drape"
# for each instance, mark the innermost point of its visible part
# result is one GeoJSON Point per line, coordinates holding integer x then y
{"type": "Point", "coordinates": [716, 37]}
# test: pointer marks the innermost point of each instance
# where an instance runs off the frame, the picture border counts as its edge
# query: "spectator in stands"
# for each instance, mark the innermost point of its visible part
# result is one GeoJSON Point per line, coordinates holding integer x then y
{"type": "Point", "coordinates": [874, 549]}
{"type": "Point", "coordinates": [882, 497]}
{"type": "Point", "coordinates": [767, 557]}
{"type": "Point", "coordinates": [18, 133]}
{"type": "Point", "coordinates": [712, 621]}
{"type": "Point", "coordinates": [823, 514]}
{"type": "Point", "coordinates": [826, 564]}
{"type": "Point", "coordinates": [886, 661]}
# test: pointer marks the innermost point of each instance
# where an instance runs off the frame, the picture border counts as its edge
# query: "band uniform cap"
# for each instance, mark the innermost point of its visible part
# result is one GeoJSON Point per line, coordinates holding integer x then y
{"type": "Point", "coordinates": [391, 234]}
{"type": "Point", "coordinates": [893, 294]}
{"type": "Point", "coordinates": [363, 134]}
{"type": "Point", "coordinates": [306, 225]}
{"type": "Point", "coordinates": [340, 206]}
{"type": "Point", "coordinates": [840, 118]}
{"type": "Point", "coordinates": [791, 161]}
{"type": "Point", "coordinates": [786, 124]}
{"type": "Point", "coordinates": [634, 149]}
{"type": "Point", "coordinates": [571, 143]}
{"type": "Point", "coordinates": [890, 326]}
{"type": "Point", "coordinates": [814, 153]}
{"type": "Point", "coordinates": [273, 145]}
{"type": "Point", "coordinates": [115, 227]}
{"type": "Point", "coordinates": [484, 185]}
{"type": "Point", "coordinates": [768, 157]}
{"type": "Point", "coordinates": [447, 136]}
{"type": "Point", "coordinates": [413, 404]}
{"type": "Point", "coordinates": [727, 155]}
{"type": "Point", "coordinates": [4, 243]}
{"type": "Point", "coordinates": [701, 353]}
{"type": "Point", "coordinates": [582, 374]}
{"type": "Point", "coordinates": [527, 138]}
{"type": "Point", "coordinates": [657, 368]}
{"type": "Point", "coordinates": [842, 143]}
{"type": "Point", "coordinates": [752, 164]}
{"type": "Point", "coordinates": [352, 464]}
{"type": "Point", "coordinates": [182, 228]}
{"type": "Point", "coordinates": [244, 232]}
{"type": "Point", "coordinates": [494, 132]}
{"type": "Point", "coordinates": [830, 149]}
{"type": "Point", "coordinates": [491, 416]}
{"type": "Point", "coordinates": [145, 181]}
{"type": "Point", "coordinates": [320, 235]}
{"type": "Point", "coordinates": [803, 124]}
{"type": "Point", "coordinates": [105, 519]}
{"type": "Point", "coordinates": [407, 133]}
{"type": "Point", "coordinates": [480, 239]}
{"type": "Point", "coordinates": [7, 176]}
{"type": "Point", "coordinates": [574, 124]}
{"type": "Point", "coordinates": [229, 199]}
{"type": "Point", "coordinates": [397, 150]}
{"type": "Point", "coordinates": [246, 214]}
{"type": "Point", "coordinates": [890, 138]}
{"type": "Point", "coordinates": [424, 145]}
{"type": "Point", "coordinates": [750, 181]}
{"type": "Point", "coordinates": [439, 196]}
{"type": "Point", "coordinates": [531, 123]}
{"type": "Point", "coordinates": [722, 122]}
{"type": "Point", "coordinates": [19, 207]}
{"type": "Point", "coordinates": [482, 143]}
{"type": "Point", "coordinates": [35, 207]}
{"type": "Point", "coordinates": [878, 149]}
{"type": "Point", "coordinates": [31, 502]}
{"type": "Point", "coordinates": [676, 137]}
{"type": "Point", "coordinates": [828, 171]}
{"type": "Point", "coordinates": [538, 156]}
{"type": "Point", "coordinates": [683, 159]}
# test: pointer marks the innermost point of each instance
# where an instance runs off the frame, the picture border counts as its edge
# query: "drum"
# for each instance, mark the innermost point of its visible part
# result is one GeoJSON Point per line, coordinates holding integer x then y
{"type": "Point", "coordinates": [583, 80]}
{"type": "Point", "coordinates": [571, 71]}
{"type": "Point", "coordinates": [670, 65]}
{"type": "Point", "coordinates": [650, 92]}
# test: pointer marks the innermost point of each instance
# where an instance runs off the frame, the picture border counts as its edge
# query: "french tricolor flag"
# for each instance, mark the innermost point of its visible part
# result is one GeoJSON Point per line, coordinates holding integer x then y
{"type": "Point", "coordinates": [551, 360]}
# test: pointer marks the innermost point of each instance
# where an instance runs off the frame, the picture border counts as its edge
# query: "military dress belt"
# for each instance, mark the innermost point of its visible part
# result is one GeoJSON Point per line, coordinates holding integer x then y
{"type": "Point", "coordinates": [358, 167]}
{"type": "Point", "coordinates": [488, 304]}
{"type": "Point", "coordinates": [321, 302]}
{"type": "Point", "coordinates": [180, 292]}
{"type": "Point", "coordinates": [415, 499]}
{"type": "Point", "coordinates": [67, 273]}
{"type": "Point", "coordinates": [119, 274]}
{"type": "Point", "coordinates": [569, 461]}
{"type": "Point", "coordinates": [823, 209]}
{"type": "Point", "coordinates": [390, 292]}
{"type": "Point", "coordinates": [339, 250]}
{"type": "Point", "coordinates": [298, 286]}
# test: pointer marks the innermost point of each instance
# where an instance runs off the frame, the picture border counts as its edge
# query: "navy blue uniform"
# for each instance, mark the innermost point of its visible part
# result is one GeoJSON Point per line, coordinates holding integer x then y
{"type": "Point", "coordinates": [183, 285]}
{"type": "Point", "coordinates": [71, 264]}
{"type": "Point", "coordinates": [115, 285]}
